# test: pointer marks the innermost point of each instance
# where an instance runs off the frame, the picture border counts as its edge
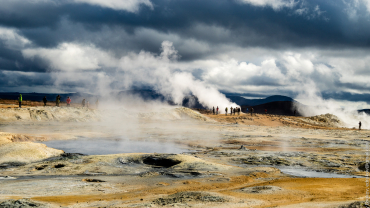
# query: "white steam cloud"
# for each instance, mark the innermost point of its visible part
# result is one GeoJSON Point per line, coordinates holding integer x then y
{"type": "Point", "coordinates": [162, 72]}
{"type": "Point", "coordinates": [316, 105]}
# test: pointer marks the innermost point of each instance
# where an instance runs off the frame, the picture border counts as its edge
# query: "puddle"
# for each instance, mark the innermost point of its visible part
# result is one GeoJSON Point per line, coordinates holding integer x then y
{"type": "Point", "coordinates": [109, 146]}
{"type": "Point", "coordinates": [313, 174]}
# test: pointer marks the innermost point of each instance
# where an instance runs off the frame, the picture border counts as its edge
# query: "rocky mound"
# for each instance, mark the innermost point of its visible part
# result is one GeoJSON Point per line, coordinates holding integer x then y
{"type": "Point", "coordinates": [186, 197]}
{"type": "Point", "coordinates": [261, 189]}
{"type": "Point", "coordinates": [48, 114]}
{"type": "Point", "coordinates": [21, 203]}
{"type": "Point", "coordinates": [328, 120]}
{"type": "Point", "coordinates": [192, 114]}
{"type": "Point", "coordinates": [26, 152]}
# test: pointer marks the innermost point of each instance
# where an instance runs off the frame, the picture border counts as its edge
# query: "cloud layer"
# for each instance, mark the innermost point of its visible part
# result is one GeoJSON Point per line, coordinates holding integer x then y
{"type": "Point", "coordinates": [187, 46]}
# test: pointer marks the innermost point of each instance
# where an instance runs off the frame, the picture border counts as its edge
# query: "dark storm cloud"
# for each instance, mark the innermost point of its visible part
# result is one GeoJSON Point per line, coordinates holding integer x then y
{"type": "Point", "coordinates": [249, 25]}
{"type": "Point", "coordinates": [347, 96]}
{"type": "Point", "coordinates": [49, 23]}
{"type": "Point", "coordinates": [18, 79]}
{"type": "Point", "coordinates": [14, 60]}
{"type": "Point", "coordinates": [199, 29]}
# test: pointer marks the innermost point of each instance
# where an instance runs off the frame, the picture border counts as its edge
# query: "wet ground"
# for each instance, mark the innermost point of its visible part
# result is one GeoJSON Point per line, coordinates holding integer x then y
{"type": "Point", "coordinates": [228, 162]}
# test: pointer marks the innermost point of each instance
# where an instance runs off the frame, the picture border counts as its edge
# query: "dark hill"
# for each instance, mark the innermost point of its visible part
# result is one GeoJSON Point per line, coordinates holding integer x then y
{"type": "Point", "coordinates": [277, 108]}
{"type": "Point", "coordinates": [367, 111]}
{"type": "Point", "coordinates": [253, 102]}
{"type": "Point", "coordinates": [189, 101]}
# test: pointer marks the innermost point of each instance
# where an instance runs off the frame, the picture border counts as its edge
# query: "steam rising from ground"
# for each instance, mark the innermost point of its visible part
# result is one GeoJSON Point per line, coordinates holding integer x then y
{"type": "Point", "coordinates": [161, 72]}
{"type": "Point", "coordinates": [345, 111]}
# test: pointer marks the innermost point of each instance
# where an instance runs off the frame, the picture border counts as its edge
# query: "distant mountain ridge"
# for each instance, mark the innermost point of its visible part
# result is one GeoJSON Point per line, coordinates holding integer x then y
{"type": "Point", "coordinates": [367, 111]}
{"type": "Point", "coordinates": [286, 108]}
{"type": "Point", "coordinates": [189, 101]}
{"type": "Point", "coordinates": [253, 102]}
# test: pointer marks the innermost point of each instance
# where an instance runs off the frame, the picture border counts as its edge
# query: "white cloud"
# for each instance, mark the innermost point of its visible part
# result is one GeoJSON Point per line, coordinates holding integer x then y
{"type": "Point", "coordinates": [245, 70]}
{"type": "Point", "coordinates": [275, 4]}
{"type": "Point", "coordinates": [12, 39]}
{"type": "Point", "coordinates": [71, 57]}
{"type": "Point", "coordinates": [128, 5]}
{"type": "Point", "coordinates": [353, 8]}
{"type": "Point", "coordinates": [367, 4]}
{"type": "Point", "coordinates": [298, 67]}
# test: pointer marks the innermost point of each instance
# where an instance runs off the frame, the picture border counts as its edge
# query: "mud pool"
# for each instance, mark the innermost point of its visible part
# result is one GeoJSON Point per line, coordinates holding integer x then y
{"type": "Point", "coordinates": [104, 146]}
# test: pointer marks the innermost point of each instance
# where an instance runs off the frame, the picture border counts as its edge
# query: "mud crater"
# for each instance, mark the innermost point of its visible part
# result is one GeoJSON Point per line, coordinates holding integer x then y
{"type": "Point", "coordinates": [160, 162]}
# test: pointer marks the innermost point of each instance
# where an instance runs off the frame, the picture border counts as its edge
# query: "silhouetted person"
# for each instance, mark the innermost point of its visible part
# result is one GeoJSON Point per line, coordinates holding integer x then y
{"type": "Point", "coordinates": [68, 101]}
{"type": "Point", "coordinates": [83, 103]}
{"type": "Point", "coordinates": [44, 100]}
{"type": "Point", "coordinates": [252, 110]}
{"type": "Point", "coordinates": [231, 111]}
{"type": "Point", "coordinates": [57, 100]}
{"type": "Point", "coordinates": [239, 111]}
{"type": "Point", "coordinates": [234, 111]}
{"type": "Point", "coordinates": [217, 111]}
{"type": "Point", "coordinates": [226, 111]}
{"type": "Point", "coordinates": [20, 100]}
{"type": "Point", "coordinates": [359, 125]}
{"type": "Point", "coordinates": [213, 110]}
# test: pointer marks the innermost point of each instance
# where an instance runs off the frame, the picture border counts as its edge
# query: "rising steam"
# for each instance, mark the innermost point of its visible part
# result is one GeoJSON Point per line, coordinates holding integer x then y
{"type": "Point", "coordinates": [316, 105]}
{"type": "Point", "coordinates": [102, 73]}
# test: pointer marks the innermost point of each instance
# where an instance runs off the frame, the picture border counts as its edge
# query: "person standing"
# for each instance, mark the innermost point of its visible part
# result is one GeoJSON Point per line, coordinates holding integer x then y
{"type": "Point", "coordinates": [68, 102]}
{"type": "Point", "coordinates": [359, 125]}
{"type": "Point", "coordinates": [57, 100]}
{"type": "Point", "coordinates": [234, 111]}
{"type": "Point", "coordinates": [217, 111]}
{"type": "Point", "coordinates": [20, 100]}
{"type": "Point", "coordinates": [231, 111]}
{"type": "Point", "coordinates": [252, 110]}
{"type": "Point", "coordinates": [265, 111]}
{"type": "Point", "coordinates": [44, 100]}
{"type": "Point", "coordinates": [226, 111]}
{"type": "Point", "coordinates": [83, 103]}
{"type": "Point", "coordinates": [213, 110]}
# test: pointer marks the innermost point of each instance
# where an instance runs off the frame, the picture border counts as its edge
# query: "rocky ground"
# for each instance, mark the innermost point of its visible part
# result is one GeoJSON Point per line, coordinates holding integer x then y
{"type": "Point", "coordinates": [231, 161]}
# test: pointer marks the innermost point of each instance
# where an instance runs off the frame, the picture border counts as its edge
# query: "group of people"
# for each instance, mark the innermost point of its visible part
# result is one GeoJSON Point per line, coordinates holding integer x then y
{"type": "Point", "coordinates": [232, 110]}
{"type": "Point", "coordinates": [57, 101]}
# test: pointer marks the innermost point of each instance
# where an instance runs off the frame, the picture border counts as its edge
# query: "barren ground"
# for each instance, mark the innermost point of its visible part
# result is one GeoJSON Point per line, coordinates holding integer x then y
{"type": "Point", "coordinates": [230, 161]}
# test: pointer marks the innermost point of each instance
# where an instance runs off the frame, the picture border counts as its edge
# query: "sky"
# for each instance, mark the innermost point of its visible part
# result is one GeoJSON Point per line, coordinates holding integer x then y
{"type": "Point", "coordinates": [298, 48]}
